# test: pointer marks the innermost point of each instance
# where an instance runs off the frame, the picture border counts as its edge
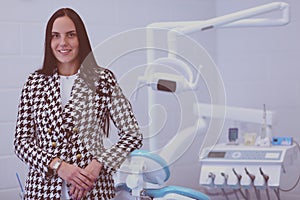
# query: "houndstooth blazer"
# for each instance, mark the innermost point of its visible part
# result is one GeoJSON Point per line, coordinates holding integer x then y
{"type": "Point", "coordinates": [46, 130]}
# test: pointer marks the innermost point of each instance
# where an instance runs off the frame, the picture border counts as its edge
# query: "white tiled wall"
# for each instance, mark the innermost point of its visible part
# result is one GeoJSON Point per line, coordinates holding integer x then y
{"type": "Point", "coordinates": [23, 24]}
{"type": "Point", "coordinates": [260, 66]}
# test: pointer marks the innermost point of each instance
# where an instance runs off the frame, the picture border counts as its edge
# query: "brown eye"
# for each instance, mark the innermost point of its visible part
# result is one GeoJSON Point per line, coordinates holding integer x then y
{"type": "Point", "coordinates": [55, 35]}
{"type": "Point", "coordinates": [71, 35]}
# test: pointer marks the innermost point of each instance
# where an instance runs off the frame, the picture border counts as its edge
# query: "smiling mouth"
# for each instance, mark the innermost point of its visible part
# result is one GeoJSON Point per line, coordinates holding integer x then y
{"type": "Point", "coordinates": [64, 51]}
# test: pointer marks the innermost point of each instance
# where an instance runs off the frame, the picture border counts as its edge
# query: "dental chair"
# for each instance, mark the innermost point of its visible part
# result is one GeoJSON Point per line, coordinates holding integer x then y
{"type": "Point", "coordinates": [144, 174]}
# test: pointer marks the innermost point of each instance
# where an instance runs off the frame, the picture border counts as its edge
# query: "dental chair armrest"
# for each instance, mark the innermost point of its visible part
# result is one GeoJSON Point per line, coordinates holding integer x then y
{"type": "Point", "coordinates": [187, 192]}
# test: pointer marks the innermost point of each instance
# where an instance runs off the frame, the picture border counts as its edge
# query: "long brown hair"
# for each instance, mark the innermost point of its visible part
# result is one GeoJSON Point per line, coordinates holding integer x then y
{"type": "Point", "coordinates": [86, 57]}
{"type": "Point", "coordinates": [85, 50]}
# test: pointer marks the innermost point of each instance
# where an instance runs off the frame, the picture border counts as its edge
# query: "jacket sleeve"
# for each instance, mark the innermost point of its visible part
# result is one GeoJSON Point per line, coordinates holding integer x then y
{"type": "Point", "coordinates": [25, 143]}
{"type": "Point", "coordinates": [130, 137]}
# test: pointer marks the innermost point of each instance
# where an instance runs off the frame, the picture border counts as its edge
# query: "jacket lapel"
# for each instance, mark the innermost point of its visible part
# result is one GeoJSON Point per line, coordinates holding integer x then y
{"type": "Point", "coordinates": [80, 99]}
{"type": "Point", "coordinates": [53, 106]}
{"type": "Point", "coordinates": [65, 119]}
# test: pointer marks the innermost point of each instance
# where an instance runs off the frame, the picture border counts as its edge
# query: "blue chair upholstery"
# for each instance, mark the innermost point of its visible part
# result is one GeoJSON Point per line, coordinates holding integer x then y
{"type": "Point", "coordinates": [187, 192]}
{"type": "Point", "coordinates": [149, 176]}
{"type": "Point", "coordinates": [162, 168]}
{"type": "Point", "coordinates": [162, 192]}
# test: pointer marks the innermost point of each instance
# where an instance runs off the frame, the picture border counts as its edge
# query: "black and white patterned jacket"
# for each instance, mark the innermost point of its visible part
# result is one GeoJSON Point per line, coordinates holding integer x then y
{"type": "Point", "coordinates": [45, 130]}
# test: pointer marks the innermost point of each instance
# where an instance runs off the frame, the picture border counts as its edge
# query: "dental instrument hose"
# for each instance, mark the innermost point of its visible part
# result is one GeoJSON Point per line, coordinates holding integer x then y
{"type": "Point", "coordinates": [252, 178]}
{"type": "Point", "coordinates": [277, 192]}
{"type": "Point", "coordinates": [239, 177]}
{"type": "Point", "coordinates": [266, 179]}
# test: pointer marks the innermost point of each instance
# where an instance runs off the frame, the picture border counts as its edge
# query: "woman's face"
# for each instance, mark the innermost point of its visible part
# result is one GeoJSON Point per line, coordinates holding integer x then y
{"type": "Point", "coordinates": [64, 42]}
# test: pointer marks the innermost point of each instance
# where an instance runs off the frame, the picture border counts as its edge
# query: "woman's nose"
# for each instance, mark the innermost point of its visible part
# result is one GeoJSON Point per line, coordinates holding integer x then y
{"type": "Point", "coordinates": [63, 40]}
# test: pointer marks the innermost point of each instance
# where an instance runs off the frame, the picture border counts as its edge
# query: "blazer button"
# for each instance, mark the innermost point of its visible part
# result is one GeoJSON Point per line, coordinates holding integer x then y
{"type": "Point", "coordinates": [75, 130]}
{"type": "Point", "coordinates": [78, 156]}
{"type": "Point", "coordinates": [54, 144]}
{"type": "Point", "coordinates": [49, 130]}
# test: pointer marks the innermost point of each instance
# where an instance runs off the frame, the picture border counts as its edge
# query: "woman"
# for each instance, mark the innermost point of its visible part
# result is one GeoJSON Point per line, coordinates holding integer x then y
{"type": "Point", "coordinates": [64, 114]}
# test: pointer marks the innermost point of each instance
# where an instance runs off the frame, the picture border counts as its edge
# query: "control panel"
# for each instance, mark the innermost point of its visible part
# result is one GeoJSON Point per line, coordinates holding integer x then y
{"type": "Point", "coordinates": [245, 166]}
{"type": "Point", "coordinates": [245, 154]}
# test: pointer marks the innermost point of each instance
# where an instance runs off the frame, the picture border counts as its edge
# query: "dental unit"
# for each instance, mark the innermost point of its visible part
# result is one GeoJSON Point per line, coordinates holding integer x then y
{"type": "Point", "coordinates": [236, 167]}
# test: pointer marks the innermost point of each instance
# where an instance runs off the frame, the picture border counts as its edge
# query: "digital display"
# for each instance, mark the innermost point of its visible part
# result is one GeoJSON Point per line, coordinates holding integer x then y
{"type": "Point", "coordinates": [233, 134]}
{"type": "Point", "coordinates": [216, 154]}
{"type": "Point", "coordinates": [272, 155]}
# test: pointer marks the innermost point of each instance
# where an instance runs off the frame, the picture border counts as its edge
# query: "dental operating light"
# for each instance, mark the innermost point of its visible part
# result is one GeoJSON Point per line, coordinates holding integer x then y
{"type": "Point", "coordinates": [180, 83]}
{"type": "Point", "coordinates": [173, 83]}
{"type": "Point", "coordinates": [168, 82]}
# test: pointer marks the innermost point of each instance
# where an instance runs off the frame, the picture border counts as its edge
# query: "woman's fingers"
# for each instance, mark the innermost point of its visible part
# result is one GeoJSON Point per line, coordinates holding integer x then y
{"type": "Point", "coordinates": [90, 177]}
{"type": "Point", "coordinates": [72, 190]}
{"type": "Point", "coordinates": [77, 193]}
{"type": "Point", "coordinates": [78, 177]}
{"type": "Point", "coordinates": [81, 182]}
{"type": "Point", "coordinates": [85, 193]}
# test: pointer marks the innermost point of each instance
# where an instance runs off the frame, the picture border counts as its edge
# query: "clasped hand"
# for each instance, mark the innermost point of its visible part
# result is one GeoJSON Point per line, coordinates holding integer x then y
{"type": "Point", "coordinates": [81, 180]}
